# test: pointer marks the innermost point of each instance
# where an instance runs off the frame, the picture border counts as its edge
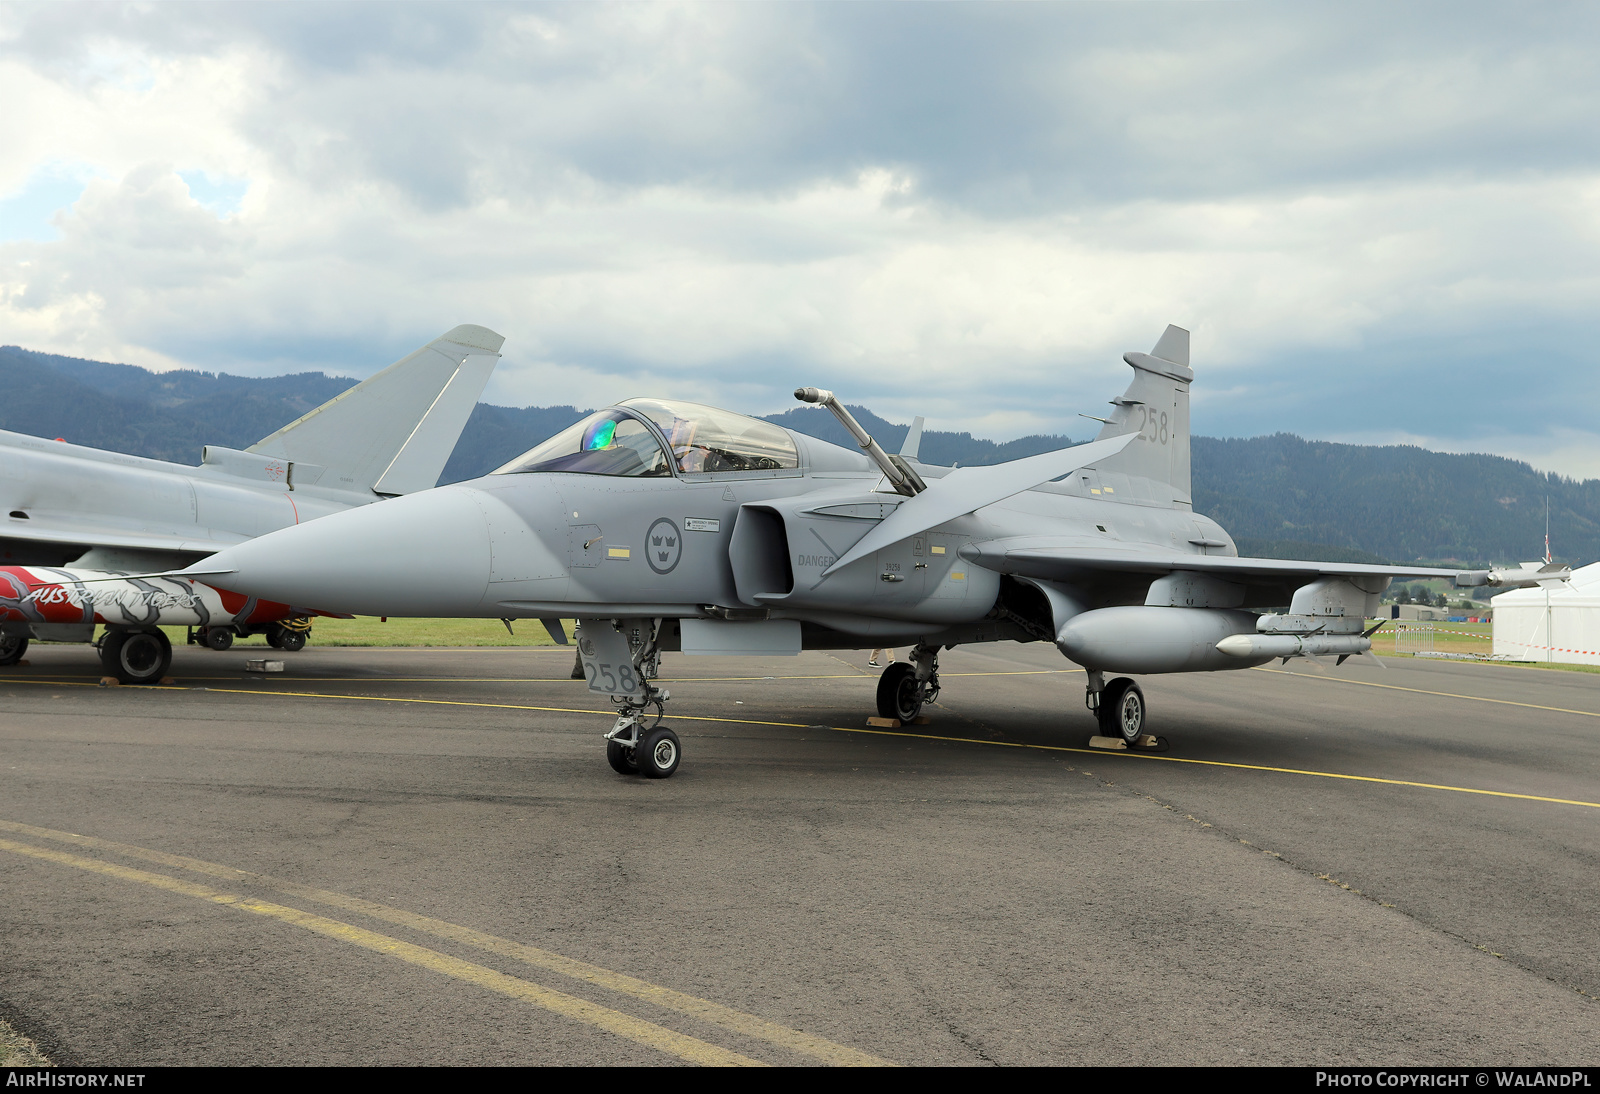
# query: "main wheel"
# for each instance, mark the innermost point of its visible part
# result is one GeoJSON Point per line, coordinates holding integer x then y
{"type": "Point", "coordinates": [899, 694]}
{"type": "Point", "coordinates": [621, 759]}
{"type": "Point", "coordinates": [141, 657]}
{"type": "Point", "coordinates": [658, 754]}
{"type": "Point", "coordinates": [109, 647]}
{"type": "Point", "coordinates": [218, 638]}
{"type": "Point", "coordinates": [291, 641]}
{"type": "Point", "coordinates": [12, 649]}
{"type": "Point", "coordinates": [1122, 711]}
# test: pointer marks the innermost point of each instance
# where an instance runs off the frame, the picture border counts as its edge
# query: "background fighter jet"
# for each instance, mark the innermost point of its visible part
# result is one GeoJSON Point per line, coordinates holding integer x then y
{"type": "Point", "coordinates": [665, 525]}
{"type": "Point", "coordinates": [76, 516]}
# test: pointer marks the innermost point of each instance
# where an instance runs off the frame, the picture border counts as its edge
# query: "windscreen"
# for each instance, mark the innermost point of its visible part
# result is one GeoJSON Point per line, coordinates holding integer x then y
{"type": "Point", "coordinates": [609, 442]}
{"type": "Point", "coordinates": [704, 438]}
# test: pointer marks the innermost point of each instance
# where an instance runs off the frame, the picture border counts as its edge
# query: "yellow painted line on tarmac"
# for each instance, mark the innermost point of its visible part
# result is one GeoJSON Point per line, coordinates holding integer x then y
{"type": "Point", "coordinates": [1004, 744]}
{"type": "Point", "coordinates": [1424, 691]}
{"type": "Point", "coordinates": [634, 1029]}
{"type": "Point", "coordinates": [967, 740]}
{"type": "Point", "coordinates": [233, 677]}
{"type": "Point", "coordinates": [807, 1044]}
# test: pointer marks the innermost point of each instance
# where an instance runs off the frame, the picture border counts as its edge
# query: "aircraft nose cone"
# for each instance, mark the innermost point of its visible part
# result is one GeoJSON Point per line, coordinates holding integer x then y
{"type": "Point", "coordinates": [425, 554]}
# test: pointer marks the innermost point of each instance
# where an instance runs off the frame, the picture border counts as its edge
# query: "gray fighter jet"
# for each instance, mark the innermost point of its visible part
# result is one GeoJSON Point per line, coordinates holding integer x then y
{"type": "Point", "coordinates": [664, 525]}
{"type": "Point", "coordinates": [76, 516]}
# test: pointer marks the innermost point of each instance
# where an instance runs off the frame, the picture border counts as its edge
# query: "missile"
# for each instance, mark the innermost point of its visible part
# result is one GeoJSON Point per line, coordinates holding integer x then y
{"type": "Point", "coordinates": [1530, 573]}
{"type": "Point", "coordinates": [1255, 647]}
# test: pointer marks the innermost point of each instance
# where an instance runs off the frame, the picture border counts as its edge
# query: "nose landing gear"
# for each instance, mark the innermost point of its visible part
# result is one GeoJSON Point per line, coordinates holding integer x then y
{"type": "Point", "coordinates": [620, 658]}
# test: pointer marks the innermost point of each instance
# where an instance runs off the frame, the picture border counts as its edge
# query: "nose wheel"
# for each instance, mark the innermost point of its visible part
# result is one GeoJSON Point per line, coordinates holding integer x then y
{"type": "Point", "coordinates": [632, 749]}
{"type": "Point", "coordinates": [620, 658]}
{"type": "Point", "coordinates": [620, 757]}
{"type": "Point", "coordinates": [659, 754]}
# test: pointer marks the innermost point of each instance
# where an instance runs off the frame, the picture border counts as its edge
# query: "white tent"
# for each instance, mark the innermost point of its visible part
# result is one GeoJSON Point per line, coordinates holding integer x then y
{"type": "Point", "coordinates": [1560, 624]}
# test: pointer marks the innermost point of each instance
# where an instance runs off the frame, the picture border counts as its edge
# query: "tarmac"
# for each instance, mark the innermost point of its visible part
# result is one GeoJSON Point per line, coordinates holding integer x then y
{"type": "Point", "coordinates": [414, 856]}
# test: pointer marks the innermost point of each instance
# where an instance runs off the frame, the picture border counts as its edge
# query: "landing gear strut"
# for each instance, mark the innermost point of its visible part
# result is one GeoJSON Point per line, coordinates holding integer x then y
{"type": "Point", "coordinates": [904, 688]}
{"type": "Point", "coordinates": [626, 657]}
{"type": "Point", "coordinates": [1118, 706]}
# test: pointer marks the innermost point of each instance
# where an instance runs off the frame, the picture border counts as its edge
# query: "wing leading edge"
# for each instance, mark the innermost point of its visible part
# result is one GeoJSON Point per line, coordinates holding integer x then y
{"type": "Point", "coordinates": [1273, 580]}
{"type": "Point", "coordinates": [968, 489]}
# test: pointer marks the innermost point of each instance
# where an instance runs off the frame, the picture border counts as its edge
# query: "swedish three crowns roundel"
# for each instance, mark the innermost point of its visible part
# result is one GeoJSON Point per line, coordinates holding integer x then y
{"type": "Point", "coordinates": [663, 546]}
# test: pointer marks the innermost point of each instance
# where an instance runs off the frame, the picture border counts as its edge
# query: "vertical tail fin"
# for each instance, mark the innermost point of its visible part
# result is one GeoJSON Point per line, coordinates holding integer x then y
{"type": "Point", "coordinates": [1156, 407]}
{"type": "Point", "coordinates": [393, 432]}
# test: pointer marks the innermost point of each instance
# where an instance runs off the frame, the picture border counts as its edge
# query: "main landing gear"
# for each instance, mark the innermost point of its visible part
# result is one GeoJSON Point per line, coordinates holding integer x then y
{"type": "Point", "coordinates": [288, 635]}
{"type": "Point", "coordinates": [904, 688]}
{"type": "Point", "coordinates": [637, 744]}
{"type": "Point", "coordinates": [135, 657]}
{"type": "Point", "coordinates": [1118, 706]}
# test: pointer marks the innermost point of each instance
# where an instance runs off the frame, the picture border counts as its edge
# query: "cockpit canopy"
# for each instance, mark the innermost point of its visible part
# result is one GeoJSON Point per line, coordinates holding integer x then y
{"type": "Point", "coordinates": [617, 441]}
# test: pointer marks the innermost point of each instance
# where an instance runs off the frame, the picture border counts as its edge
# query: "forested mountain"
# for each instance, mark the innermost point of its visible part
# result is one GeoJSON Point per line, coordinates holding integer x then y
{"type": "Point", "coordinates": [498, 434]}
{"type": "Point", "coordinates": [164, 415]}
{"type": "Point", "coordinates": [1398, 501]}
{"type": "Point", "coordinates": [1280, 496]}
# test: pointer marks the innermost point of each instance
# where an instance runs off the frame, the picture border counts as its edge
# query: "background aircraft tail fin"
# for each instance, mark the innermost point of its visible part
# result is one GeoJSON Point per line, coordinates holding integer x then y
{"type": "Point", "coordinates": [393, 432]}
{"type": "Point", "coordinates": [1156, 407]}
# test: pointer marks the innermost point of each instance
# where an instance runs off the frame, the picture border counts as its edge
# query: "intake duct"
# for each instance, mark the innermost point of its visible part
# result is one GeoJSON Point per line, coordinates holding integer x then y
{"type": "Point", "coordinates": [759, 553]}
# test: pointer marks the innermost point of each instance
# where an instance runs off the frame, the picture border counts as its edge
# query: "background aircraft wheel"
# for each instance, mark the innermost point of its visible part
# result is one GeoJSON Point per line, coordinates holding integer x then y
{"type": "Point", "coordinates": [218, 638]}
{"type": "Point", "coordinates": [142, 657]}
{"type": "Point", "coordinates": [1122, 710]}
{"type": "Point", "coordinates": [621, 759]}
{"type": "Point", "coordinates": [275, 636]}
{"type": "Point", "coordinates": [899, 694]}
{"type": "Point", "coordinates": [658, 754]}
{"type": "Point", "coordinates": [291, 641]}
{"type": "Point", "coordinates": [12, 649]}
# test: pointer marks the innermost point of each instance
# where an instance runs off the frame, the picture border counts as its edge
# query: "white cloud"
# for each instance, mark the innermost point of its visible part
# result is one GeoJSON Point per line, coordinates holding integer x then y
{"type": "Point", "coordinates": [963, 213]}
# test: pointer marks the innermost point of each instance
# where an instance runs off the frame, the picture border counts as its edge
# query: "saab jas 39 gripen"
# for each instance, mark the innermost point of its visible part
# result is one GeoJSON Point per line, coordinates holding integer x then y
{"type": "Point", "coordinates": [84, 527]}
{"type": "Point", "coordinates": [665, 525]}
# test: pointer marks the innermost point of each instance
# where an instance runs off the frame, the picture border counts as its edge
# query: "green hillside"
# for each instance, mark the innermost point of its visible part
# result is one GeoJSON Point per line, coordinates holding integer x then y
{"type": "Point", "coordinates": [163, 415]}
{"type": "Point", "coordinates": [1397, 501]}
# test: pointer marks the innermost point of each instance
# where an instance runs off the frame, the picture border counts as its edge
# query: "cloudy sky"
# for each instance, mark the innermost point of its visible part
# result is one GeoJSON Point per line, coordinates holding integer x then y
{"type": "Point", "coordinates": [1379, 220]}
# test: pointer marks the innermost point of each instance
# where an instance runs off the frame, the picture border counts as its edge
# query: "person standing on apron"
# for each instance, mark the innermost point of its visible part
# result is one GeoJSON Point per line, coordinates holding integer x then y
{"type": "Point", "coordinates": [888, 657]}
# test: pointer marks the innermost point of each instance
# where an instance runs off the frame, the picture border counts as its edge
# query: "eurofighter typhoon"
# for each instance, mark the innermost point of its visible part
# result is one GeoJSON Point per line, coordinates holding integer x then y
{"type": "Point", "coordinates": [84, 528]}
{"type": "Point", "coordinates": [663, 525]}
